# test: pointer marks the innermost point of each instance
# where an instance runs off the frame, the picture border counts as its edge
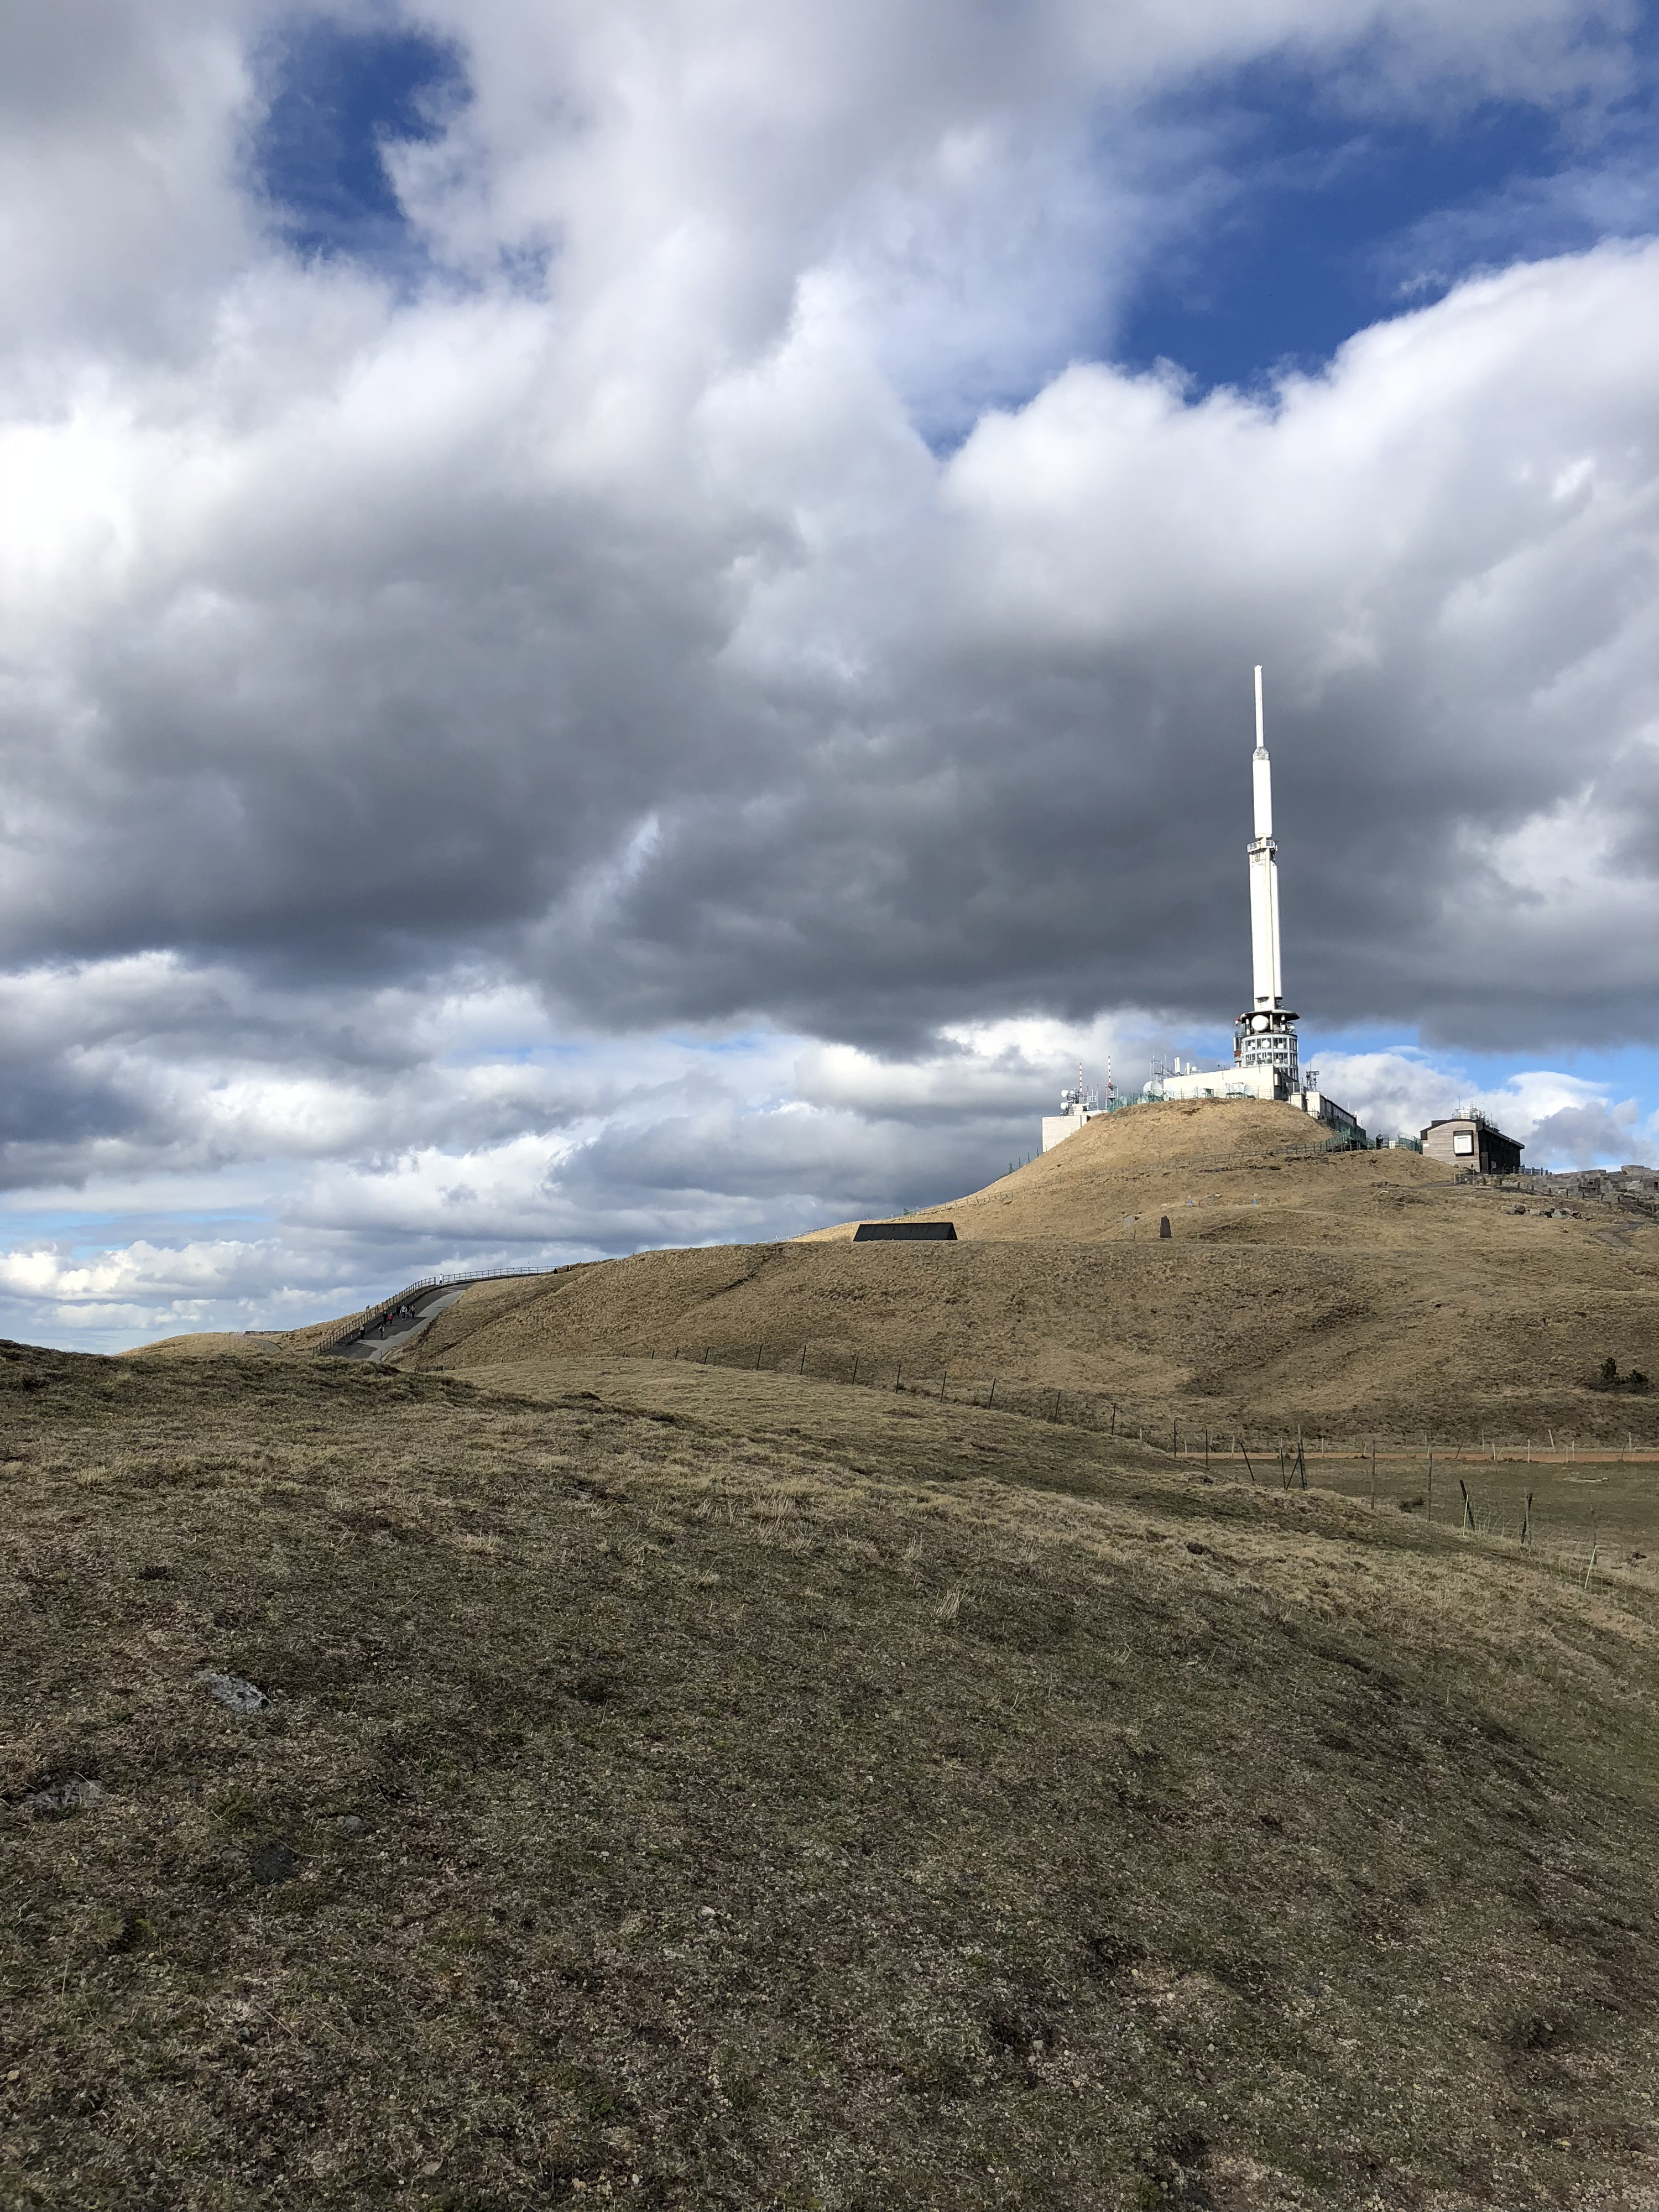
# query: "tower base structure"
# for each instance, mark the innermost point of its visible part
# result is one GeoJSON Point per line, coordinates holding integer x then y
{"type": "Point", "coordinates": [1265, 1065]}
{"type": "Point", "coordinates": [1302, 1092]}
{"type": "Point", "coordinates": [1265, 1037]}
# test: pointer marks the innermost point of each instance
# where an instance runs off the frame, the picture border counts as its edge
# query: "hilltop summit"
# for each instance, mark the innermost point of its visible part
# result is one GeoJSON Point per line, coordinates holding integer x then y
{"type": "Point", "coordinates": [1208, 1159]}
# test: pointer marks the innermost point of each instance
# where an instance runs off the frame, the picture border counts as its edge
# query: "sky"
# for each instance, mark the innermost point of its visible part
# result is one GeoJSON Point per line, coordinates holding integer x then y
{"type": "Point", "coordinates": [633, 626]}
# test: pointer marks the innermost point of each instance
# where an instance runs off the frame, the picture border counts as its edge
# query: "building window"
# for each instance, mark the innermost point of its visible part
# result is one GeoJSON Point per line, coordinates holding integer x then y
{"type": "Point", "coordinates": [1462, 1140]}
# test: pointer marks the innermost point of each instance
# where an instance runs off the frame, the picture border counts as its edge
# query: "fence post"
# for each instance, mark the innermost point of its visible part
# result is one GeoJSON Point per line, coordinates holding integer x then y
{"type": "Point", "coordinates": [897, 1372]}
{"type": "Point", "coordinates": [992, 1400]}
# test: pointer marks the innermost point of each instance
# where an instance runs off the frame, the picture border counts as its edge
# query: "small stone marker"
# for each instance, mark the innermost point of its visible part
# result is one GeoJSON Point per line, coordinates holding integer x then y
{"type": "Point", "coordinates": [1163, 1224]}
{"type": "Point", "coordinates": [59, 1799]}
{"type": "Point", "coordinates": [232, 1690]}
{"type": "Point", "coordinates": [277, 1861]}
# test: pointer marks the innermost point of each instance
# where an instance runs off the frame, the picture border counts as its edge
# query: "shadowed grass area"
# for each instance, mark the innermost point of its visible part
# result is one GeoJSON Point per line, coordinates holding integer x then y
{"type": "Point", "coordinates": [686, 1786]}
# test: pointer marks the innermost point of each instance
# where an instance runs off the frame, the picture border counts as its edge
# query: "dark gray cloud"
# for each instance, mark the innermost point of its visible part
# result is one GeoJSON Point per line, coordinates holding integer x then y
{"type": "Point", "coordinates": [978, 747]}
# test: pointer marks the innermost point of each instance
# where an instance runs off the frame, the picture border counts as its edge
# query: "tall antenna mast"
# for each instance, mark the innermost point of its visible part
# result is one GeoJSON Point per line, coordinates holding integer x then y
{"type": "Point", "coordinates": [1266, 1034]}
{"type": "Point", "coordinates": [1267, 981]}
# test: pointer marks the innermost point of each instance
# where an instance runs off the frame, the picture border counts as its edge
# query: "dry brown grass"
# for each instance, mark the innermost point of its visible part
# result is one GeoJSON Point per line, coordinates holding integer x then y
{"type": "Point", "coordinates": [795, 1796]}
{"type": "Point", "coordinates": [1211, 1166]}
{"type": "Point", "coordinates": [1361, 1293]}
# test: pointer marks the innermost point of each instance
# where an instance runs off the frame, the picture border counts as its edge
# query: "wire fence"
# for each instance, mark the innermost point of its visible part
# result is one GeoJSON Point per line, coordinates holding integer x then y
{"type": "Point", "coordinates": [1430, 1479]}
{"type": "Point", "coordinates": [1243, 1442]}
{"type": "Point", "coordinates": [1433, 1476]}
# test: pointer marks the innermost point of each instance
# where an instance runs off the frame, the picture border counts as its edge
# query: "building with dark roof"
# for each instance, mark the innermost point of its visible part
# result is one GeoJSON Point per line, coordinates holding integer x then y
{"type": "Point", "coordinates": [1473, 1143]}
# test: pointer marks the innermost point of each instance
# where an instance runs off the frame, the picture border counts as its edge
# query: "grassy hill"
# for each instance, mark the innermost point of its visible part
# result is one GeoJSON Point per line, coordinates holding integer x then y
{"type": "Point", "coordinates": [684, 1786]}
{"type": "Point", "coordinates": [1354, 1293]}
{"type": "Point", "coordinates": [696, 1781]}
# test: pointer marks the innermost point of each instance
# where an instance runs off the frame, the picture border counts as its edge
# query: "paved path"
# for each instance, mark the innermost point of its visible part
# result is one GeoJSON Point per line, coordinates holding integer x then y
{"type": "Point", "coordinates": [396, 1331]}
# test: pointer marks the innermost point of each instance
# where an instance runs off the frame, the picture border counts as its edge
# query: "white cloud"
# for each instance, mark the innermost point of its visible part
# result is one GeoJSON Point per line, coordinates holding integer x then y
{"type": "Point", "coordinates": [1563, 1121]}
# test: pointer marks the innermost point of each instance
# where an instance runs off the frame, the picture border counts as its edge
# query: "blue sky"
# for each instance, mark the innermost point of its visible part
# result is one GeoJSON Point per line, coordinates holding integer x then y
{"type": "Point", "coordinates": [1328, 222]}
{"type": "Point", "coordinates": [689, 603]}
{"type": "Point", "coordinates": [1316, 221]}
{"type": "Point", "coordinates": [335, 98]}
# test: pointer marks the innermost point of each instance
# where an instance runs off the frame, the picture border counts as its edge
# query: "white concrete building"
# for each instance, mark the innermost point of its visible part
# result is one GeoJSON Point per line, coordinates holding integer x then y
{"type": "Point", "coordinates": [1076, 1106]}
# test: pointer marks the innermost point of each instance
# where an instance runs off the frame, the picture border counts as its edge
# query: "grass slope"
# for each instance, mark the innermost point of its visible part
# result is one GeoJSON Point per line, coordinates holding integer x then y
{"type": "Point", "coordinates": [696, 1788]}
{"type": "Point", "coordinates": [1363, 1292]}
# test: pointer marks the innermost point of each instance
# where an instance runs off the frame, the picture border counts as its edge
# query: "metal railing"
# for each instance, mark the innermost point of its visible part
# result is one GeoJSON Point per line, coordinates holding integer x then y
{"type": "Point", "coordinates": [1344, 1140]}
{"type": "Point", "coordinates": [359, 1324]}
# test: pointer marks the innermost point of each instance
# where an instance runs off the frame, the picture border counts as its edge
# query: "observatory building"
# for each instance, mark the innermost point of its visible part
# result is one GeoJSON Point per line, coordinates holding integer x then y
{"type": "Point", "coordinates": [1266, 1055]}
{"type": "Point", "coordinates": [1468, 1140]}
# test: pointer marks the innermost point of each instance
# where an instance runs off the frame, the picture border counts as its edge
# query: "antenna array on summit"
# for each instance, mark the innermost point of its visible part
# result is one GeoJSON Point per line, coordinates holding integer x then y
{"type": "Point", "coordinates": [1266, 1057]}
{"type": "Point", "coordinates": [1266, 1063]}
{"type": "Point", "coordinates": [1265, 1036]}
